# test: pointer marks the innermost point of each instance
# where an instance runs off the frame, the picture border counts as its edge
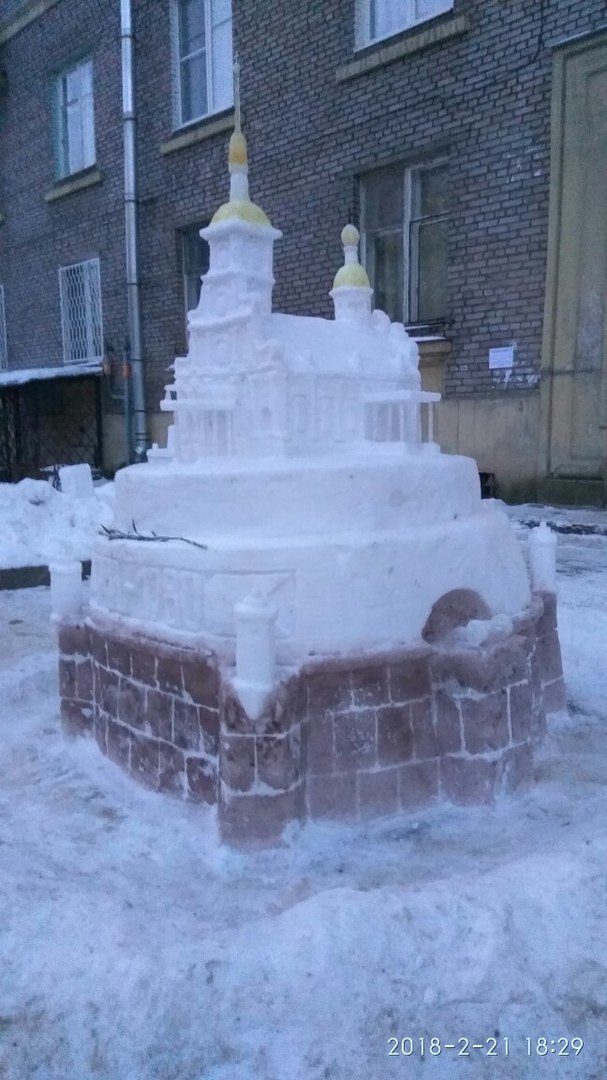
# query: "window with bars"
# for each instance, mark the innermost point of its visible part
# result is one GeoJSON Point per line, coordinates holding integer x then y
{"type": "Point", "coordinates": [75, 119]}
{"type": "Point", "coordinates": [405, 222]}
{"type": "Point", "coordinates": [202, 52]}
{"type": "Point", "coordinates": [3, 345]}
{"type": "Point", "coordinates": [81, 319]}
{"type": "Point", "coordinates": [377, 19]}
{"type": "Point", "coordinates": [194, 263]}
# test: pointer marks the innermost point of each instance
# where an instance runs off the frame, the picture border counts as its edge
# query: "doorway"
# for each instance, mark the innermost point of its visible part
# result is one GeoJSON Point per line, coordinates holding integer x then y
{"type": "Point", "coordinates": [574, 361]}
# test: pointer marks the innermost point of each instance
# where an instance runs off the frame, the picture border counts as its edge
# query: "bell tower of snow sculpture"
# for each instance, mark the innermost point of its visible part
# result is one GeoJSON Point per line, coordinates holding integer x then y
{"type": "Point", "coordinates": [235, 298]}
{"type": "Point", "coordinates": [351, 293]}
{"type": "Point", "coordinates": [241, 241]}
{"type": "Point", "coordinates": [325, 621]}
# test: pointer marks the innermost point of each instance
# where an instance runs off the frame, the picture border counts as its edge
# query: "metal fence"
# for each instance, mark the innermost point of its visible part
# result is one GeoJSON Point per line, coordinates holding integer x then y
{"type": "Point", "coordinates": [54, 422]}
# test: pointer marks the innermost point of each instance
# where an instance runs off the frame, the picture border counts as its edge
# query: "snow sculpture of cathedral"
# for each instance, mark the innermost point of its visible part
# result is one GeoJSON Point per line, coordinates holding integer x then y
{"type": "Point", "coordinates": [317, 527]}
{"type": "Point", "coordinates": [296, 455]}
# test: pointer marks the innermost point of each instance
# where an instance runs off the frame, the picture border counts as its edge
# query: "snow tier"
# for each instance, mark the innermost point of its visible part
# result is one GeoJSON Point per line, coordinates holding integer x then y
{"type": "Point", "coordinates": [353, 556]}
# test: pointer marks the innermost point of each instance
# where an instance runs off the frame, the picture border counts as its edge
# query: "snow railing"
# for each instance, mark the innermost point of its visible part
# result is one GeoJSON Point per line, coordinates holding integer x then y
{"type": "Point", "coordinates": [394, 416]}
{"type": "Point", "coordinates": [205, 432]}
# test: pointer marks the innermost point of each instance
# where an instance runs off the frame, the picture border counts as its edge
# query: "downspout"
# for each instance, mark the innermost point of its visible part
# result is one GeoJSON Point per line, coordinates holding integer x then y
{"type": "Point", "coordinates": [129, 127]}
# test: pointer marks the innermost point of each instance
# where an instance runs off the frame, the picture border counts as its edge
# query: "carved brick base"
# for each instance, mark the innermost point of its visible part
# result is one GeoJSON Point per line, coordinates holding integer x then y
{"type": "Point", "coordinates": [343, 739]}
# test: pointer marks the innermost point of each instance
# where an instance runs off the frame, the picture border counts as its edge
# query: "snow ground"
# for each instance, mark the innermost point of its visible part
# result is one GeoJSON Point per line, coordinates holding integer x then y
{"type": "Point", "coordinates": [132, 947]}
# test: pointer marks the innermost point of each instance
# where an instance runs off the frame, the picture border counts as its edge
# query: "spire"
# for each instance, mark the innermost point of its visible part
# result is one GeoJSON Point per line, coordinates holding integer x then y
{"type": "Point", "coordinates": [236, 70]}
{"type": "Point", "coordinates": [239, 204]}
{"type": "Point", "coordinates": [237, 156]}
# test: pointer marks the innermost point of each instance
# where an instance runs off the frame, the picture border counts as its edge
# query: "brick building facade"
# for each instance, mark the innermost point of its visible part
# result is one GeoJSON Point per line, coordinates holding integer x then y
{"type": "Point", "coordinates": [466, 110]}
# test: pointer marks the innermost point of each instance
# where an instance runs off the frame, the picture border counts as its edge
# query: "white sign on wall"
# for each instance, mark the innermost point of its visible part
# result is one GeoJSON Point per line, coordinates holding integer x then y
{"type": "Point", "coordinates": [502, 358]}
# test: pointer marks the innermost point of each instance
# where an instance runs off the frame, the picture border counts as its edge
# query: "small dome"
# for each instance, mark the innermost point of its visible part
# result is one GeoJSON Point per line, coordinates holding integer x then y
{"type": "Point", "coordinates": [243, 209]}
{"type": "Point", "coordinates": [352, 275]}
{"type": "Point", "coordinates": [350, 235]}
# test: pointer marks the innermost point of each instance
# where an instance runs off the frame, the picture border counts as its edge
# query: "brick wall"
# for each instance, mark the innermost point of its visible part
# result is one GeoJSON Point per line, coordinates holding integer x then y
{"type": "Point", "coordinates": [483, 96]}
{"type": "Point", "coordinates": [341, 738]}
{"type": "Point", "coordinates": [152, 709]}
{"type": "Point", "coordinates": [39, 237]}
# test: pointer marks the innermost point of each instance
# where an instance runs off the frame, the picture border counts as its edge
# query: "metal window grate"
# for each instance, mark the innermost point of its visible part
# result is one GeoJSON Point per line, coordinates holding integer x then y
{"type": "Point", "coordinates": [3, 345]}
{"type": "Point", "coordinates": [81, 318]}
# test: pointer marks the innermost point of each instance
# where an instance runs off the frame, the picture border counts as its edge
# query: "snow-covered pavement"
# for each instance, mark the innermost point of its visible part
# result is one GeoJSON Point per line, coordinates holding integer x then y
{"type": "Point", "coordinates": [133, 948]}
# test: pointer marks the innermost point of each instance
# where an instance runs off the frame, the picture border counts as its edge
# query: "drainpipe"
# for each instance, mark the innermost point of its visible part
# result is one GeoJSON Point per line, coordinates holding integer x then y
{"type": "Point", "coordinates": [129, 127]}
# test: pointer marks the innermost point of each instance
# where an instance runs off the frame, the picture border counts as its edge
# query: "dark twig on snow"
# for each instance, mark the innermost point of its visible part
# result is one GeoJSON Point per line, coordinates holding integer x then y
{"type": "Point", "coordinates": [118, 534]}
{"type": "Point", "coordinates": [569, 527]}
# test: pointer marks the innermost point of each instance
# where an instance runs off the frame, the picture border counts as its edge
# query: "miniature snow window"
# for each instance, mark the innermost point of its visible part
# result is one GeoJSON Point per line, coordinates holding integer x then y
{"type": "Point", "coordinates": [218, 431]}
{"type": "Point", "coordinates": [405, 221]}
{"type": "Point", "coordinates": [195, 263]}
{"type": "Point", "coordinates": [3, 346]}
{"type": "Point", "coordinates": [378, 19]}
{"type": "Point", "coordinates": [75, 119]}
{"type": "Point", "coordinates": [202, 58]}
{"type": "Point", "coordinates": [81, 321]}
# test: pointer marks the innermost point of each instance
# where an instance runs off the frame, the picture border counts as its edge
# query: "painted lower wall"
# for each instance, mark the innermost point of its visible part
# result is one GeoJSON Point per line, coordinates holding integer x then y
{"type": "Point", "coordinates": [500, 434]}
{"type": "Point", "coordinates": [114, 440]}
{"type": "Point", "coordinates": [500, 430]}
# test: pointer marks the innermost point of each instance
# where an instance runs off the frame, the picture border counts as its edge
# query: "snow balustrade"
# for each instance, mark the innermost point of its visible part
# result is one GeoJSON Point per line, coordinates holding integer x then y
{"type": "Point", "coordinates": [396, 416]}
{"type": "Point", "coordinates": [393, 416]}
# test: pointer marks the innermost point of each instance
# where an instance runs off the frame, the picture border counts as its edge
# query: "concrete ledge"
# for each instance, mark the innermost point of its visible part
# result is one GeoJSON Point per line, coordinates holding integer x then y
{"type": "Point", "coordinates": [72, 184]}
{"type": "Point", "coordinates": [412, 41]}
{"type": "Point", "coordinates": [198, 133]}
{"type": "Point", "coordinates": [31, 10]}
{"type": "Point", "coordinates": [32, 577]}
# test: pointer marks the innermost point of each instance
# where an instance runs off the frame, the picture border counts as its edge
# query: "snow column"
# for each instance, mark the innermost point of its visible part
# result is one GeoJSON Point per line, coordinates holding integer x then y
{"type": "Point", "coordinates": [542, 558]}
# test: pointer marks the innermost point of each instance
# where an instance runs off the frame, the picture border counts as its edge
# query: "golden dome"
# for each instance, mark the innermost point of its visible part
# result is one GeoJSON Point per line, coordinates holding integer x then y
{"type": "Point", "coordinates": [243, 209]}
{"type": "Point", "coordinates": [352, 275]}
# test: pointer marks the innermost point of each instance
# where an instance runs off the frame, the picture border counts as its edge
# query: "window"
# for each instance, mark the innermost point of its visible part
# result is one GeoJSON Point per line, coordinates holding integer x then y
{"type": "Point", "coordinates": [76, 121]}
{"type": "Point", "coordinates": [195, 263]}
{"type": "Point", "coordinates": [3, 347]}
{"type": "Point", "coordinates": [377, 19]}
{"type": "Point", "coordinates": [202, 35]}
{"type": "Point", "coordinates": [80, 288]}
{"type": "Point", "coordinates": [405, 233]}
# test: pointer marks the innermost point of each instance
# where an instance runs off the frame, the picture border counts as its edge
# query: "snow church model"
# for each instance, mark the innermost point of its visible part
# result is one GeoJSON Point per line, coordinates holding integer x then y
{"type": "Point", "coordinates": [340, 626]}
